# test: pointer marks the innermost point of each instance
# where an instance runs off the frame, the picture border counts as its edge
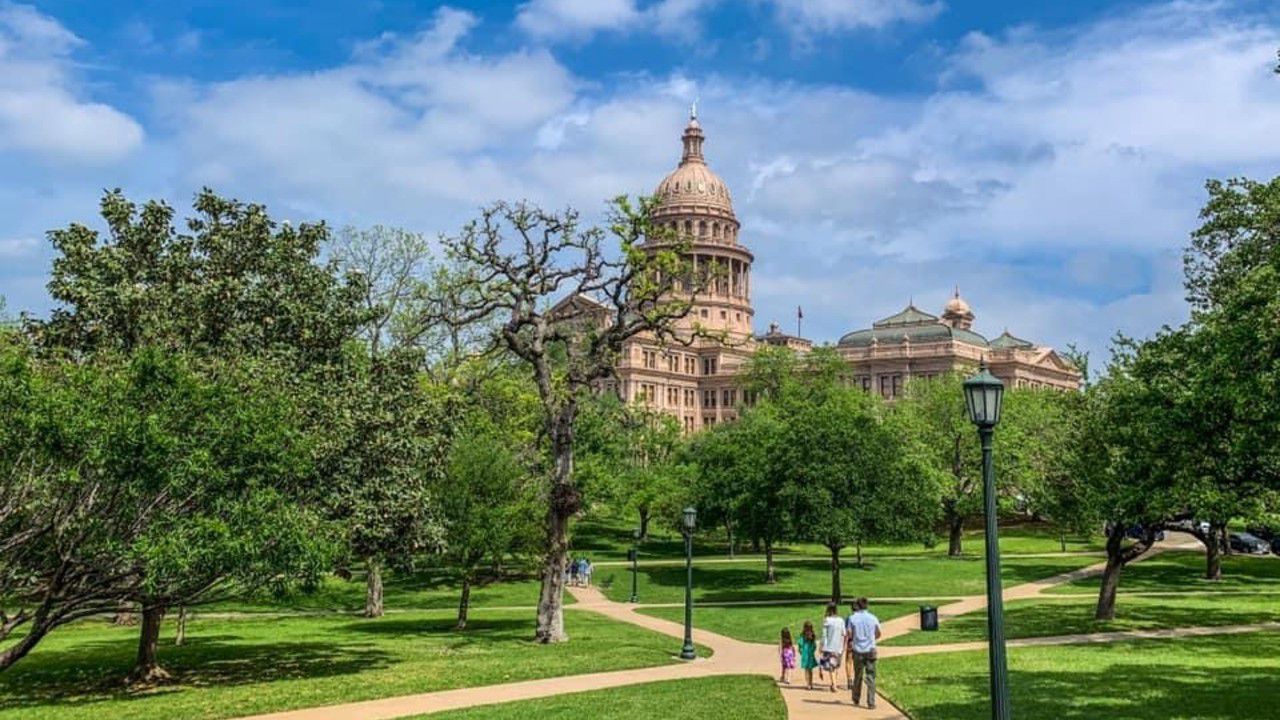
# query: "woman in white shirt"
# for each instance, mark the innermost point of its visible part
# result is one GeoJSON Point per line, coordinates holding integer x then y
{"type": "Point", "coordinates": [833, 643]}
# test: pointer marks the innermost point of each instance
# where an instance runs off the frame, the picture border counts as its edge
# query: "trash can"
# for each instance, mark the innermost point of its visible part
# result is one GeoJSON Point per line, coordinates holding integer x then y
{"type": "Point", "coordinates": [928, 618]}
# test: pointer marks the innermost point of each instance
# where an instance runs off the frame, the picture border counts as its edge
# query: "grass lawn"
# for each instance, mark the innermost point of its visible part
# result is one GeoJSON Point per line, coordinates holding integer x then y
{"type": "Point", "coordinates": [762, 623]}
{"type": "Point", "coordinates": [242, 666]}
{"type": "Point", "coordinates": [1234, 677]}
{"type": "Point", "coordinates": [901, 577]}
{"type": "Point", "coordinates": [752, 697]}
{"type": "Point", "coordinates": [1183, 571]}
{"type": "Point", "coordinates": [422, 590]}
{"type": "Point", "coordinates": [1069, 616]}
{"type": "Point", "coordinates": [608, 539]}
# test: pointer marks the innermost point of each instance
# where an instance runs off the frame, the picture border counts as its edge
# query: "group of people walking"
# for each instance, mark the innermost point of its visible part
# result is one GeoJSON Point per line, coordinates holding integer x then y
{"type": "Point", "coordinates": [848, 641]}
{"type": "Point", "coordinates": [579, 572]}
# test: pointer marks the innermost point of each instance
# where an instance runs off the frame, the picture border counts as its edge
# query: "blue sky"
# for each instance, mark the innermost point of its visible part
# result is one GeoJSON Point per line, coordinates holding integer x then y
{"type": "Point", "coordinates": [1048, 157]}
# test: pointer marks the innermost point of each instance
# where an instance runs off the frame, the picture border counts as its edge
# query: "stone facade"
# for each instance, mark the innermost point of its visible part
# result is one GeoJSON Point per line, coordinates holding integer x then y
{"type": "Point", "coordinates": [697, 382]}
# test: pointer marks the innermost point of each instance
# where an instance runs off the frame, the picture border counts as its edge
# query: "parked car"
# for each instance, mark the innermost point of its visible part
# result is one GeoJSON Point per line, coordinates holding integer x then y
{"type": "Point", "coordinates": [1275, 545]}
{"type": "Point", "coordinates": [1248, 543]}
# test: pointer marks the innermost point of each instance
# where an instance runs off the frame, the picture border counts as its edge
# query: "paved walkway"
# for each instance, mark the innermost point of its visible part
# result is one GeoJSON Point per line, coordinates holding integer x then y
{"type": "Point", "coordinates": [735, 657]}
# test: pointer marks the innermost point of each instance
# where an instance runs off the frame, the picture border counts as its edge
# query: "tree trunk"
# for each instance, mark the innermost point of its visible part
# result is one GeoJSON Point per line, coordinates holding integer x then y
{"type": "Point", "coordinates": [1106, 609]}
{"type": "Point", "coordinates": [835, 573]}
{"type": "Point", "coordinates": [1062, 540]}
{"type": "Point", "coordinates": [181, 638]}
{"type": "Point", "coordinates": [644, 523]}
{"type": "Point", "coordinates": [1213, 553]}
{"type": "Point", "coordinates": [733, 541]}
{"type": "Point", "coordinates": [125, 617]}
{"type": "Point", "coordinates": [562, 504]}
{"type": "Point", "coordinates": [955, 527]}
{"type": "Point", "coordinates": [373, 588]}
{"type": "Point", "coordinates": [858, 546]}
{"type": "Point", "coordinates": [1225, 539]}
{"type": "Point", "coordinates": [464, 603]}
{"type": "Point", "coordinates": [146, 668]}
{"type": "Point", "coordinates": [770, 577]}
{"type": "Point", "coordinates": [15, 652]}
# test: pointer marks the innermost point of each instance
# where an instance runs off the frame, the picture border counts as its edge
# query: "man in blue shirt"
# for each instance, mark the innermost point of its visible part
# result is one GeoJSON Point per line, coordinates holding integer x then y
{"type": "Point", "coordinates": [864, 630]}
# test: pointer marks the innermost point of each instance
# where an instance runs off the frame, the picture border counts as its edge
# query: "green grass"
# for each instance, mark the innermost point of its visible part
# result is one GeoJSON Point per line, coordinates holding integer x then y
{"type": "Point", "coordinates": [762, 623]}
{"type": "Point", "coordinates": [805, 580]}
{"type": "Point", "coordinates": [752, 697]}
{"type": "Point", "coordinates": [1070, 616]}
{"type": "Point", "coordinates": [1183, 571]}
{"type": "Point", "coordinates": [609, 538]}
{"type": "Point", "coordinates": [422, 590]}
{"type": "Point", "coordinates": [242, 666]}
{"type": "Point", "coordinates": [1234, 677]}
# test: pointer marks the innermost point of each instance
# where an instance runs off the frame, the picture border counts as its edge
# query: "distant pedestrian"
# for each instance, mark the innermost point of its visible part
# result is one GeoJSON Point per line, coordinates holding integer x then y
{"type": "Point", "coordinates": [787, 656]}
{"type": "Point", "coordinates": [808, 652]}
{"type": "Point", "coordinates": [585, 571]}
{"type": "Point", "coordinates": [833, 632]}
{"type": "Point", "coordinates": [865, 629]}
{"type": "Point", "coordinates": [573, 571]}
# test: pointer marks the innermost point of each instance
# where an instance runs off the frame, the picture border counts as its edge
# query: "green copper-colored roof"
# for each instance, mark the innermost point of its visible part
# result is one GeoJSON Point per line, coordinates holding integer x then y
{"type": "Point", "coordinates": [911, 324]}
{"type": "Point", "coordinates": [912, 315]}
{"type": "Point", "coordinates": [1009, 341]}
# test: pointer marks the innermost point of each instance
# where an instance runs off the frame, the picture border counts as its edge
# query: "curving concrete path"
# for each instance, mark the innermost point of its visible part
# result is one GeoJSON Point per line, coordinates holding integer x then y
{"type": "Point", "coordinates": [735, 657]}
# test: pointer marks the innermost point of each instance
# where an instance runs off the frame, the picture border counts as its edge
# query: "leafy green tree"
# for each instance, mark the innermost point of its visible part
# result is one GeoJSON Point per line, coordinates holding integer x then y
{"type": "Point", "coordinates": [155, 479]}
{"type": "Point", "coordinates": [936, 425]}
{"type": "Point", "coordinates": [852, 484]}
{"type": "Point", "coordinates": [490, 495]}
{"type": "Point", "coordinates": [565, 303]}
{"type": "Point", "coordinates": [740, 480]}
{"type": "Point", "coordinates": [236, 282]}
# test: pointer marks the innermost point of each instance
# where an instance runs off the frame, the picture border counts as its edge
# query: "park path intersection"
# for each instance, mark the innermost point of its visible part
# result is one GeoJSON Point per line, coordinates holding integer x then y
{"type": "Point", "coordinates": [735, 657]}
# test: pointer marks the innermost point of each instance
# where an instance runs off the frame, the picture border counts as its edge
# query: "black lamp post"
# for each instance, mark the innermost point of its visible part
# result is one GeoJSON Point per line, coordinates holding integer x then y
{"type": "Point", "coordinates": [690, 520]}
{"type": "Point", "coordinates": [983, 394]}
{"type": "Point", "coordinates": [635, 552]}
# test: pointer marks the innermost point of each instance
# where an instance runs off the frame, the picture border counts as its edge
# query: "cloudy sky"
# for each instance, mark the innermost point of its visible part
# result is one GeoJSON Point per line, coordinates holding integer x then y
{"type": "Point", "coordinates": [1048, 158]}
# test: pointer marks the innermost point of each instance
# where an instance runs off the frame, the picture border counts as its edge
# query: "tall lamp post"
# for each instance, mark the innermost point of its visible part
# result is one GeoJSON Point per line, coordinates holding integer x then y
{"type": "Point", "coordinates": [635, 552]}
{"type": "Point", "coordinates": [983, 394]}
{"type": "Point", "coordinates": [690, 521]}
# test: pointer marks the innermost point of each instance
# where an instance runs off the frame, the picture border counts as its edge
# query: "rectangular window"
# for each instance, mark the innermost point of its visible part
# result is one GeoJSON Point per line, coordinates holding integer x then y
{"type": "Point", "coordinates": [897, 385]}
{"type": "Point", "coordinates": [730, 398]}
{"type": "Point", "coordinates": [708, 366]}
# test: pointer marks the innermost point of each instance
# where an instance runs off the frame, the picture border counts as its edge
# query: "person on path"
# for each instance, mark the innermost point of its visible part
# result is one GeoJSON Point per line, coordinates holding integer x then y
{"type": "Point", "coordinates": [573, 571]}
{"type": "Point", "coordinates": [586, 571]}
{"type": "Point", "coordinates": [833, 643]}
{"type": "Point", "coordinates": [787, 655]}
{"type": "Point", "coordinates": [865, 629]}
{"type": "Point", "coordinates": [808, 652]}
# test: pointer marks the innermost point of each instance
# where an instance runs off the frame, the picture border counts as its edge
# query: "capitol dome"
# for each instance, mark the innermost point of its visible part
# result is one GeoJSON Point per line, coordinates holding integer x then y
{"type": "Point", "coordinates": [693, 189]}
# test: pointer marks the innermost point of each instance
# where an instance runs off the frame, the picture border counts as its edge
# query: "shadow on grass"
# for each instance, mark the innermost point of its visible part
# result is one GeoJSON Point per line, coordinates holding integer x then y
{"type": "Point", "coordinates": [93, 671]}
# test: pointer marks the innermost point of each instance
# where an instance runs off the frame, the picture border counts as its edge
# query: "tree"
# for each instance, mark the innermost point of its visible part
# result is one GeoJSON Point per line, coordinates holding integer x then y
{"type": "Point", "coordinates": [851, 482]}
{"type": "Point", "coordinates": [390, 434]}
{"type": "Point", "coordinates": [628, 456]}
{"type": "Point", "coordinates": [512, 264]}
{"type": "Point", "coordinates": [936, 424]}
{"type": "Point", "coordinates": [235, 288]}
{"type": "Point", "coordinates": [741, 480]}
{"type": "Point", "coordinates": [236, 283]}
{"type": "Point", "coordinates": [155, 479]}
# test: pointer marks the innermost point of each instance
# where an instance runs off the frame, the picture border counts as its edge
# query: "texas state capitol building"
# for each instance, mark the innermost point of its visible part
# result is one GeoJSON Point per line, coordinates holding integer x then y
{"type": "Point", "coordinates": [698, 383]}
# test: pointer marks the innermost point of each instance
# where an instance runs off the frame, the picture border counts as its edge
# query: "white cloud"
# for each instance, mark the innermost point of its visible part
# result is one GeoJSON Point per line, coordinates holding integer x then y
{"type": "Point", "coordinates": [575, 18]}
{"type": "Point", "coordinates": [18, 247]}
{"type": "Point", "coordinates": [805, 16]}
{"type": "Point", "coordinates": [580, 19]}
{"type": "Point", "coordinates": [42, 111]}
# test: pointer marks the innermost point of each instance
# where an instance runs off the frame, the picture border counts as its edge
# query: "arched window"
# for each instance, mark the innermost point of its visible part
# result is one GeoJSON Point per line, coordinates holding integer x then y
{"type": "Point", "coordinates": [702, 228]}
{"type": "Point", "coordinates": [715, 230]}
{"type": "Point", "coordinates": [688, 227]}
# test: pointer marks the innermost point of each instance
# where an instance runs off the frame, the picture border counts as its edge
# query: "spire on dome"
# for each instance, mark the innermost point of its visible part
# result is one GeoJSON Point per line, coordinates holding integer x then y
{"type": "Point", "coordinates": [693, 138]}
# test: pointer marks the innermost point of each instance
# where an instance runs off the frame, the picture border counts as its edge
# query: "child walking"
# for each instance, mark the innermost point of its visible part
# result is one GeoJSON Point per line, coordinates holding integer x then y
{"type": "Point", "coordinates": [787, 654]}
{"type": "Point", "coordinates": [808, 652]}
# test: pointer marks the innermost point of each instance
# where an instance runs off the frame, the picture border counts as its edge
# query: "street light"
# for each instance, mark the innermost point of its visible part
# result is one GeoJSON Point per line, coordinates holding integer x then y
{"type": "Point", "coordinates": [635, 552]}
{"type": "Point", "coordinates": [983, 394]}
{"type": "Point", "coordinates": [690, 521]}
